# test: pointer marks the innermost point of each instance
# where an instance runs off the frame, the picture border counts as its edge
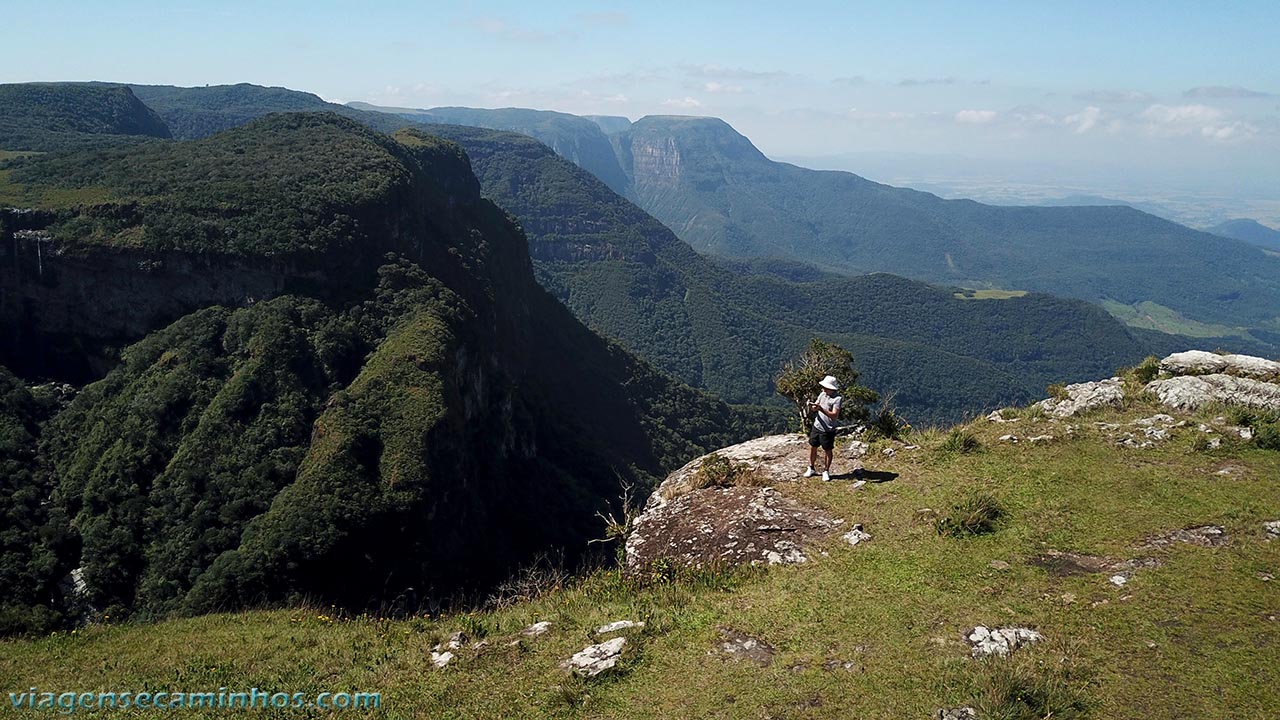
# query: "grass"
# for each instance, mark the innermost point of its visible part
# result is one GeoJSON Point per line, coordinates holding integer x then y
{"type": "Point", "coordinates": [989, 294]}
{"type": "Point", "coordinates": [1191, 638]}
{"type": "Point", "coordinates": [14, 194]}
{"type": "Point", "coordinates": [1153, 316]}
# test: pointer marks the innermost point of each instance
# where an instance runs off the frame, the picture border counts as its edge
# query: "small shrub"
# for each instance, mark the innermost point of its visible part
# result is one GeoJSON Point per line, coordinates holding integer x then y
{"type": "Point", "coordinates": [1022, 691]}
{"type": "Point", "coordinates": [977, 515]}
{"type": "Point", "coordinates": [1057, 391]}
{"type": "Point", "coordinates": [1011, 412]}
{"type": "Point", "coordinates": [888, 424]}
{"type": "Point", "coordinates": [1267, 436]}
{"type": "Point", "coordinates": [960, 441]}
{"type": "Point", "coordinates": [1145, 371]}
{"type": "Point", "coordinates": [1200, 443]}
{"type": "Point", "coordinates": [719, 471]}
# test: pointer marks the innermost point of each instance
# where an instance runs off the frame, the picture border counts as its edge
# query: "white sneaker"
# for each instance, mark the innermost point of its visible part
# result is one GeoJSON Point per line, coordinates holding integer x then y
{"type": "Point", "coordinates": [809, 472]}
{"type": "Point", "coordinates": [826, 476]}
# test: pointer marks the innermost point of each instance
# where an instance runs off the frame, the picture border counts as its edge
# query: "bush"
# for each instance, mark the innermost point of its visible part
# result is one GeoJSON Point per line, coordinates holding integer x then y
{"type": "Point", "coordinates": [978, 515]}
{"type": "Point", "coordinates": [1145, 371]}
{"type": "Point", "coordinates": [1022, 691]}
{"type": "Point", "coordinates": [717, 470]}
{"type": "Point", "coordinates": [887, 423]}
{"type": "Point", "coordinates": [960, 441]}
{"type": "Point", "coordinates": [1267, 436]}
{"type": "Point", "coordinates": [1057, 391]}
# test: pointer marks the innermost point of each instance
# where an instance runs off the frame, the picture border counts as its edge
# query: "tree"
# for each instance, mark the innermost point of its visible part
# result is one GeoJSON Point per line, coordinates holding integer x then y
{"type": "Point", "coordinates": [798, 381]}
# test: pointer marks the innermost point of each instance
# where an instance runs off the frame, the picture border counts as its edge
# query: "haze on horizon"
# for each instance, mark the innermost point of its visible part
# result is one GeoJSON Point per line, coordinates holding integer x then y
{"type": "Point", "coordinates": [1166, 100]}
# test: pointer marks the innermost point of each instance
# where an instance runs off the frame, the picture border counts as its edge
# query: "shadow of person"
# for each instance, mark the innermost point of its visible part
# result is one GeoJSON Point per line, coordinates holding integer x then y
{"type": "Point", "coordinates": [871, 476]}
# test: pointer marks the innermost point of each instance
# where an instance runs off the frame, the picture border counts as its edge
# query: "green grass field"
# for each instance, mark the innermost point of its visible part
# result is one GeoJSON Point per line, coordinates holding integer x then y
{"type": "Point", "coordinates": [989, 294]}
{"type": "Point", "coordinates": [1197, 636]}
{"type": "Point", "coordinates": [1152, 316]}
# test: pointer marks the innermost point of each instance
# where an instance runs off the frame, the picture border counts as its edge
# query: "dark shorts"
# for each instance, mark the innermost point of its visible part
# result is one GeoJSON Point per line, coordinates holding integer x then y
{"type": "Point", "coordinates": [825, 440]}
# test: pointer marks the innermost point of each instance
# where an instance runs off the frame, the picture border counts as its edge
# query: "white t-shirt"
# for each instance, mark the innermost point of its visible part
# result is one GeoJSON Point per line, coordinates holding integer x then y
{"type": "Point", "coordinates": [826, 402]}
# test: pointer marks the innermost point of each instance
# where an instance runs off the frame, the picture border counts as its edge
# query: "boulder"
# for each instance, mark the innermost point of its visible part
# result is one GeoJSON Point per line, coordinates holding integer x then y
{"type": "Point", "coordinates": [726, 526]}
{"type": "Point", "coordinates": [1199, 362]}
{"type": "Point", "coordinates": [774, 458]}
{"type": "Point", "coordinates": [536, 629]}
{"type": "Point", "coordinates": [1192, 392]}
{"type": "Point", "coordinates": [1083, 397]}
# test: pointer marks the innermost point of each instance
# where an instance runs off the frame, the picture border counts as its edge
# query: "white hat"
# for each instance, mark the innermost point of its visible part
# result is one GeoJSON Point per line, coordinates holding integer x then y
{"type": "Point", "coordinates": [829, 382]}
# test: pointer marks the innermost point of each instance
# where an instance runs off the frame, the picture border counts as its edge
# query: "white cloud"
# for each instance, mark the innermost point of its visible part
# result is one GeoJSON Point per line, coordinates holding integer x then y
{"type": "Point", "coordinates": [874, 116]}
{"type": "Point", "coordinates": [1182, 120]}
{"type": "Point", "coordinates": [715, 87]}
{"type": "Point", "coordinates": [727, 73]}
{"type": "Point", "coordinates": [1219, 92]}
{"type": "Point", "coordinates": [1114, 96]}
{"type": "Point", "coordinates": [1085, 120]}
{"type": "Point", "coordinates": [684, 103]}
{"type": "Point", "coordinates": [976, 117]}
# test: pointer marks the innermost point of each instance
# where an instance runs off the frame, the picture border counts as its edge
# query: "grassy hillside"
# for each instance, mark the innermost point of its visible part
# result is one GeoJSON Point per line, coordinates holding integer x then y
{"type": "Point", "coordinates": [55, 116]}
{"type": "Point", "coordinates": [872, 631]}
{"type": "Point", "coordinates": [719, 193]}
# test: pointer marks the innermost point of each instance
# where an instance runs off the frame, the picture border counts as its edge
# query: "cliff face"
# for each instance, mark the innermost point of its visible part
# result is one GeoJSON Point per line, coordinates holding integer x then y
{"type": "Point", "coordinates": [377, 404]}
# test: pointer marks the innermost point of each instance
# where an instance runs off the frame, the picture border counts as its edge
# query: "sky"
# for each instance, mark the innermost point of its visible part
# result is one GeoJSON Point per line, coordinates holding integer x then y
{"type": "Point", "coordinates": [1173, 95]}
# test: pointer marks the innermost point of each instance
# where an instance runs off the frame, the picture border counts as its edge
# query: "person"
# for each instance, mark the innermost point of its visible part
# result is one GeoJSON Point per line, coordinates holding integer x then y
{"type": "Point", "coordinates": [823, 434]}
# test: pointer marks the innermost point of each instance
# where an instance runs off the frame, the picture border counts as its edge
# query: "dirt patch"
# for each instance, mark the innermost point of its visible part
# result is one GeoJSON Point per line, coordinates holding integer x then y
{"type": "Point", "coordinates": [1060, 563]}
{"type": "Point", "coordinates": [1201, 535]}
{"type": "Point", "coordinates": [719, 527]}
{"type": "Point", "coordinates": [741, 646]}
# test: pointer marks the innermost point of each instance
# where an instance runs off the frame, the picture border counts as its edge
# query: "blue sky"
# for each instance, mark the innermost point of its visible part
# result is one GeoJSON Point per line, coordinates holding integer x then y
{"type": "Point", "coordinates": [1190, 88]}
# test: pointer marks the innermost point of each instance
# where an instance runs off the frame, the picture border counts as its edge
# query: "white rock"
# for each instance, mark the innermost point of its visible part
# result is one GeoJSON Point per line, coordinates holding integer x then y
{"type": "Point", "coordinates": [618, 625]}
{"type": "Point", "coordinates": [1118, 580]}
{"type": "Point", "coordinates": [856, 535]}
{"type": "Point", "coordinates": [1193, 392]}
{"type": "Point", "coordinates": [858, 449]}
{"type": "Point", "coordinates": [889, 452]}
{"type": "Point", "coordinates": [1246, 433]}
{"type": "Point", "coordinates": [440, 659]}
{"type": "Point", "coordinates": [1000, 641]}
{"type": "Point", "coordinates": [595, 659]}
{"type": "Point", "coordinates": [1272, 529]}
{"type": "Point", "coordinates": [1009, 438]}
{"type": "Point", "coordinates": [1201, 362]}
{"type": "Point", "coordinates": [1040, 439]}
{"type": "Point", "coordinates": [456, 641]}
{"type": "Point", "coordinates": [536, 629]}
{"type": "Point", "coordinates": [1082, 397]}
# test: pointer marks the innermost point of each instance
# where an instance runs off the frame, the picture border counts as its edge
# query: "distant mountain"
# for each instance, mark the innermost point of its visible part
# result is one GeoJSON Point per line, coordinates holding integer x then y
{"type": "Point", "coordinates": [1250, 231]}
{"type": "Point", "coordinates": [54, 116]}
{"type": "Point", "coordinates": [610, 124]}
{"type": "Point", "coordinates": [728, 329]}
{"type": "Point", "coordinates": [718, 192]}
{"type": "Point", "coordinates": [581, 140]}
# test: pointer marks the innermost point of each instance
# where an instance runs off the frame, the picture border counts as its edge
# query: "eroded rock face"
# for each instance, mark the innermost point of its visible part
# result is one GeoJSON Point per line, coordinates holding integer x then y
{"type": "Point", "coordinates": [1083, 397]}
{"type": "Point", "coordinates": [1199, 362]}
{"type": "Point", "coordinates": [1191, 392]}
{"type": "Point", "coordinates": [727, 526]}
{"type": "Point", "coordinates": [775, 458]}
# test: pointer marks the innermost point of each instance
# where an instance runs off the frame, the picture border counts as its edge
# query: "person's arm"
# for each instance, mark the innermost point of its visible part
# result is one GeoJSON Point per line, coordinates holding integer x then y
{"type": "Point", "coordinates": [833, 414]}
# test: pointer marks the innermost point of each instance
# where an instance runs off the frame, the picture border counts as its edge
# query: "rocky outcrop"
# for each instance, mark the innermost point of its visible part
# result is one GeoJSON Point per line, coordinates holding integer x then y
{"type": "Point", "coordinates": [1083, 397]}
{"type": "Point", "coordinates": [1199, 362]}
{"type": "Point", "coordinates": [772, 459]}
{"type": "Point", "coordinates": [1191, 392]}
{"type": "Point", "coordinates": [714, 526]}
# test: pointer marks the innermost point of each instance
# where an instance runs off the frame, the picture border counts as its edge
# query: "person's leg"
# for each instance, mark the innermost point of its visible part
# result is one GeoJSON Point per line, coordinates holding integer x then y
{"type": "Point", "coordinates": [827, 451]}
{"type": "Point", "coordinates": [813, 455]}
